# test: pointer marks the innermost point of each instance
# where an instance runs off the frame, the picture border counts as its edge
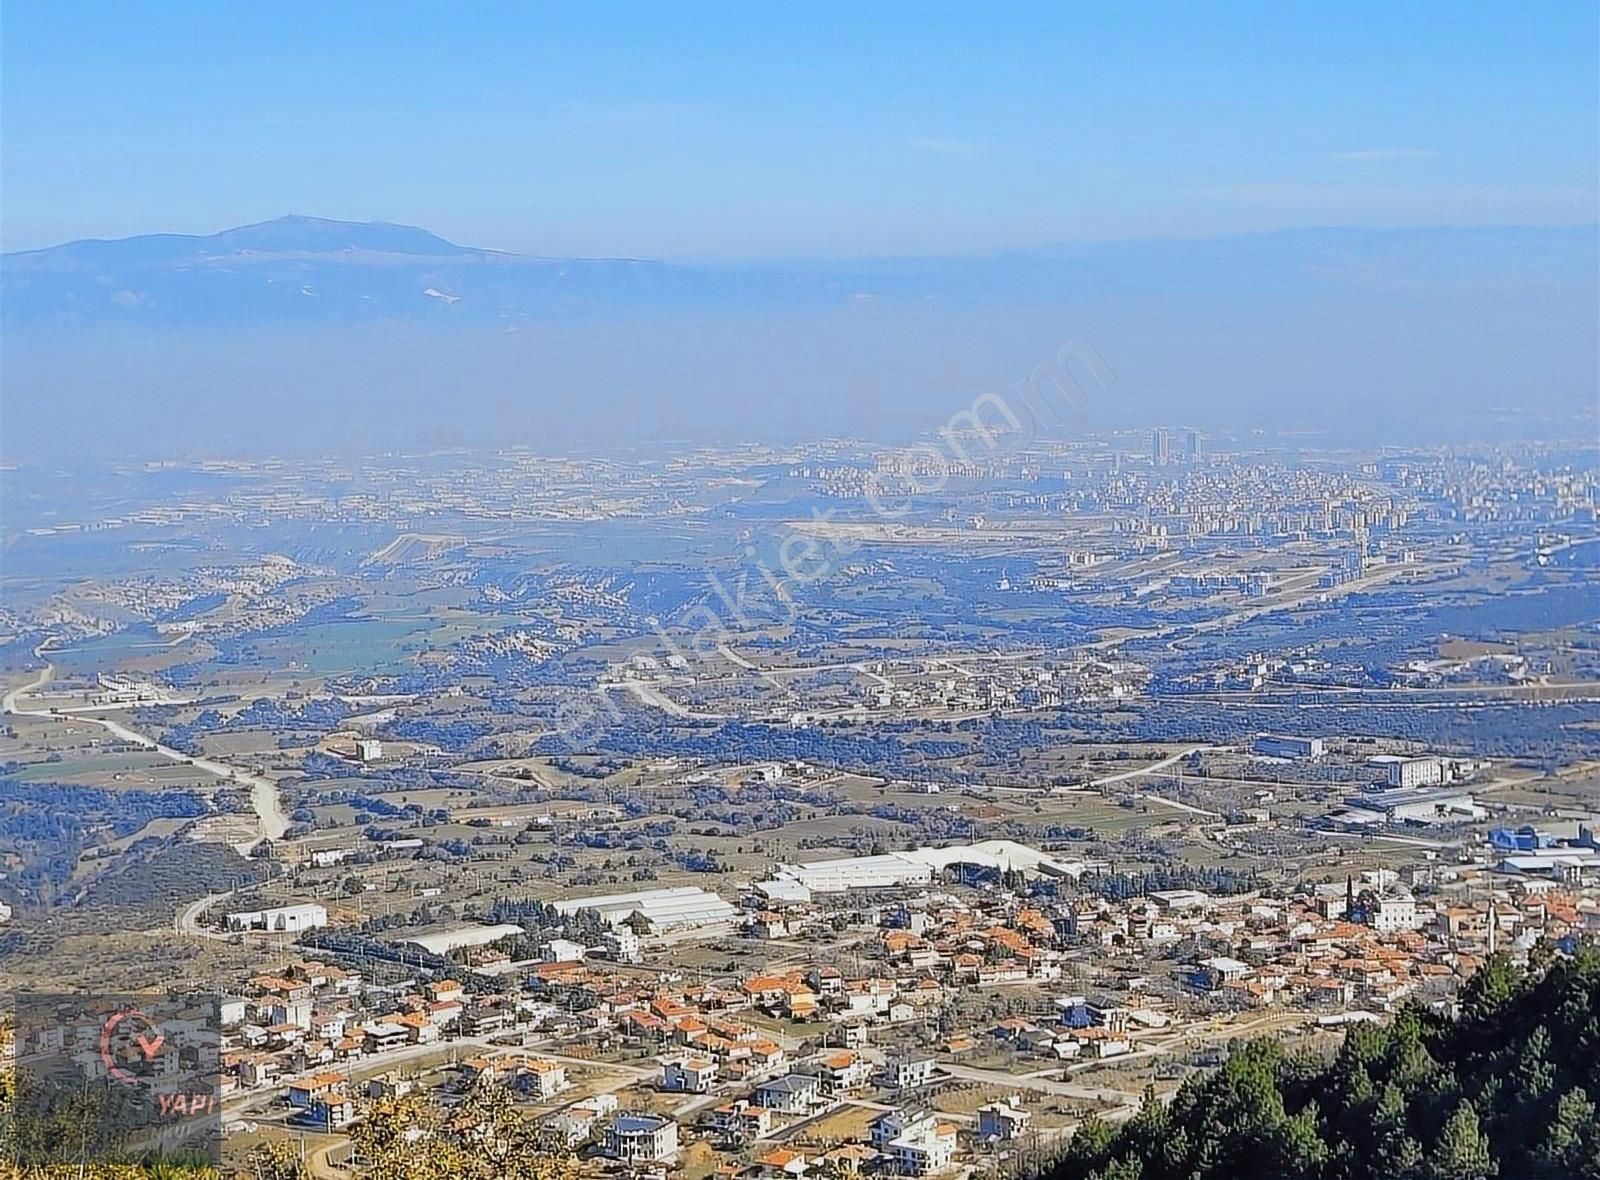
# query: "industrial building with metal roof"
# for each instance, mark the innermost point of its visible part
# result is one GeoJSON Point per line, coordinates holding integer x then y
{"type": "Point", "coordinates": [661, 909]}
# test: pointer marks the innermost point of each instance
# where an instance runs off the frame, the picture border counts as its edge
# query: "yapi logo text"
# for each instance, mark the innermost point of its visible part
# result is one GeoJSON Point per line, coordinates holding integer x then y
{"type": "Point", "coordinates": [186, 1105]}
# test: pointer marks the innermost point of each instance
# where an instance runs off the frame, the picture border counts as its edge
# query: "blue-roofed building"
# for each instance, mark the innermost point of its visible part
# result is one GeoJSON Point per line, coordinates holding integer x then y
{"type": "Point", "coordinates": [1074, 1011]}
{"type": "Point", "coordinates": [1524, 839]}
{"type": "Point", "coordinates": [641, 1138]}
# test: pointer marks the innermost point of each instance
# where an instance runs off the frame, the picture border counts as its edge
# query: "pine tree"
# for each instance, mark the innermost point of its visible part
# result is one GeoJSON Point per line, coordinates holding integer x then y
{"type": "Point", "coordinates": [1535, 1073]}
{"type": "Point", "coordinates": [1462, 1152]}
{"type": "Point", "coordinates": [1570, 1149]}
{"type": "Point", "coordinates": [1151, 1120]}
{"type": "Point", "coordinates": [1389, 1134]}
{"type": "Point", "coordinates": [1174, 1150]}
{"type": "Point", "coordinates": [1090, 1145]}
{"type": "Point", "coordinates": [1405, 1162]}
{"type": "Point", "coordinates": [1492, 988]}
{"type": "Point", "coordinates": [1297, 1150]}
{"type": "Point", "coordinates": [1406, 1058]}
{"type": "Point", "coordinates": [1125, 1168]}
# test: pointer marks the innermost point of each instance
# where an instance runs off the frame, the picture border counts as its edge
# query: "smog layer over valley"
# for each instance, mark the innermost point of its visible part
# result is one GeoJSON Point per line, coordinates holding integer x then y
{"type": "Point", "coordinates": [907, 608]}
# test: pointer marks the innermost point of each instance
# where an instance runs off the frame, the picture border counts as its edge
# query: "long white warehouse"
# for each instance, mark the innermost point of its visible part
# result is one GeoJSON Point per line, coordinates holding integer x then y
{"type": "Point", "coordinates": [859, 872]}
{"type": "Point", "coordinates": [920, 866]}
{"type": "Point", "coordinates": [285, 919]}
{"type": "Point", "coordinates": [662, 909]}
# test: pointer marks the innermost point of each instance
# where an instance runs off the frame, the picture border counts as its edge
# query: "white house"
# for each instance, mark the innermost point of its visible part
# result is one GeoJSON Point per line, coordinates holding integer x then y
{"type": "Point", "coordinates": [636, 1138]}
{"type": "Point", "coordinates": [1003, 1120]}
{"type": "Point", "coordinates": [574, 1123]}
{"type": "Point", "coordinates": [741, 1121]}
{"type": "Point", "coordinates": [916, 1144]}
{"type": "Point", "coordinates": [905, 1071]}
{"type": "Point", "coordinates": [1219, 970]}
{"type": "Point", "coordinates": [561, 950]}
{"type": "Point", "coordinates": [1394, 913]}
{"type": "Point", "coordinates": [541, 1078]}
{"type": "Point", "coordinates": [621, 944]}
{"type": "Point", "coordinates": [689, 1075]}
{"type": "Point", "coordinates": [794, 1093]}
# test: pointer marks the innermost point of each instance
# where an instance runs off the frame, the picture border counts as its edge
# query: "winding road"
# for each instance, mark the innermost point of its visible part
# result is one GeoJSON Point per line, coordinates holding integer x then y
{"type": "Point", "coordinates": [271, 821]}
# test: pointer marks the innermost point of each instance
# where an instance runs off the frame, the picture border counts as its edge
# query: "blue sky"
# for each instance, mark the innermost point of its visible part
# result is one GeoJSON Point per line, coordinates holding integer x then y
{"type": "Point", "coordinates": [686, 131]}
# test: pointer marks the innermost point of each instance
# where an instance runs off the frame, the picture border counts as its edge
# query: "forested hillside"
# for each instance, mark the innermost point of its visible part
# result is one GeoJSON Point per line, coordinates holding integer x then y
{"type": "Point", "coordinates": [1508, 1090]}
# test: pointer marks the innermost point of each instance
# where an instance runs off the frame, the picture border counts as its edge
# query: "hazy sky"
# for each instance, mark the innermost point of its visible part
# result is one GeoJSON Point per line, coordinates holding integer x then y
{"type": "Point", "coordinates": [675, 130]}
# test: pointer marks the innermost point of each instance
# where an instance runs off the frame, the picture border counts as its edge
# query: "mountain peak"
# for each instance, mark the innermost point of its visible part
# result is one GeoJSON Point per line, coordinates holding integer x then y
{"type": "Point", "coordinates": [295, 235]}
{"type": "Point", "coordinates": [298, 233]}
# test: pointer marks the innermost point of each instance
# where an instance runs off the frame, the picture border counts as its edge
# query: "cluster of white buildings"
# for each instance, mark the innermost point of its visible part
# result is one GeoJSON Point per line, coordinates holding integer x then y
{"type": "Point", "coordinates": [1424, 770]}
{"type": "Point", "coordinates": [1409, 805]}
{"type": "Point", "coordinates": [919, 866]}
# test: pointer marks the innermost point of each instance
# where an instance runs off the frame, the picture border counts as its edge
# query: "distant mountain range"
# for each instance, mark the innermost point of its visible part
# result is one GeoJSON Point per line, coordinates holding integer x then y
{"type": "Point", "coordinates": [316, 271]}
{"type": "Point", "coordinates": [307, 336]}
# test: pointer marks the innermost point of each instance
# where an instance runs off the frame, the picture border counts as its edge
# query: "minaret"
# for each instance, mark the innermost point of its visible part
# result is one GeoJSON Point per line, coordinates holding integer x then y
{"type": "Point", "coordinates": [1494, 926]}
{"type": "Point", "coordinates": [1349, 898]}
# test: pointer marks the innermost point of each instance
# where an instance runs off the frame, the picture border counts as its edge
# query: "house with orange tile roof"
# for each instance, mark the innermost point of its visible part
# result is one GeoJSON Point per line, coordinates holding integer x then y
{"type": "Point", "coordinates": [259, 1069]}
{"type": "Point", "coordinates": [670, 1008]}
{"type": "Point", "coordinates": [825, 980]}
{"type": "Point", "coordinates": [899, 942]}
{"type": "Point", "coordinates": [1034, 923]}
{"type": "Point", "coordinates": [445, 990]}
{"type": "Point", "coordinates": [733, 1030]}
{"type": "Point", "coordinates": [283, 989]}
{"type": "Point", "coordinates": [923, 993]}
{"type": "Point", "coordinates": [443, 1013]}
{"type": "Point", "coordinates": [309, 1090]}
{"type": "Point", "coordinates": [419, 1029]}
{"type": "Point", "coordinates": [765, 1054]}
{"type": "Point", "coordinates": [559, 974]}
{"type": "Point", "coordinates": [686, 1028]}
{"type": "Point", "coordinates": [765, 990]}
{"type": "Point", "coordinates": [1101, 1042]}
{"type": "Point", "coordinates": [741, 1121]}
{"type": "Point", "coordinates": [843, 1071]}
{"type": "Point", "coordinates": [767, 924]}
{"type": "Point", "coordinates": [639, 1025]}
{"type": "Point", "coordinates": [779, 1163]}
{"type": "Point", "coordinates": [539, 1077]}
{"type": "Point", "coordinates": [1002, 972]}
